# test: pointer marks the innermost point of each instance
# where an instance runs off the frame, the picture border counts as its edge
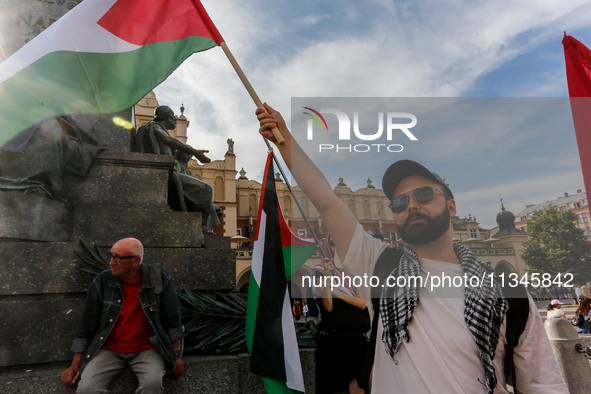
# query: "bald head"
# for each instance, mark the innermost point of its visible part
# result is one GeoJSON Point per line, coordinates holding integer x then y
{"type": "Point", "coordinates": [130, 246]}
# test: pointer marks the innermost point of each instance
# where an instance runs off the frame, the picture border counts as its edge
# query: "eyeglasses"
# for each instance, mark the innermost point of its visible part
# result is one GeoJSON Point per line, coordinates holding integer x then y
{"type": "Point", "coordinates": [422, 195]}
{"type": "Point", "coordinates": [116, 258]}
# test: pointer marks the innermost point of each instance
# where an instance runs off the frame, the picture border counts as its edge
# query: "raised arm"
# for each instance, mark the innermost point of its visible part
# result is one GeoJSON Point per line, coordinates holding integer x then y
{"type": "Point", "coordinates": [337, 218]}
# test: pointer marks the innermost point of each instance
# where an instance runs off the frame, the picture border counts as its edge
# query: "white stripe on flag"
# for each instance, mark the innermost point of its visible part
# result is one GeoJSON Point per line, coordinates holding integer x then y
{"type": "Point", "coordinates": [76, 31]}
{"type": "Point", "coordinates": [258, 250]}
{"type": "Point", "coordinates": [291, 354]}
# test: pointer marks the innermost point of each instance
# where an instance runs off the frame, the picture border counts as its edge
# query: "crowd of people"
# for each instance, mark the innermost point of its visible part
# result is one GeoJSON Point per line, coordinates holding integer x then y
{"type": "Point", "coordinates": [560, 292]}
{"type": "Point", "coordinates": [581, 297]}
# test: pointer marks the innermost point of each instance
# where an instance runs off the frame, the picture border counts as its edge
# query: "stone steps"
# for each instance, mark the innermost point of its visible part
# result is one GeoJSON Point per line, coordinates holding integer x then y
{"type": "Point", "coordinates": [203, 374]}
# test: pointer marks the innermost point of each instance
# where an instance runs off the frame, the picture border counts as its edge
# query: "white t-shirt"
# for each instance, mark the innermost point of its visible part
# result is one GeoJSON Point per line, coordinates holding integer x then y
{"type": "Point", "coordinates": [441, 314]}
{"type": "Point", "coordinates": [555, 313]}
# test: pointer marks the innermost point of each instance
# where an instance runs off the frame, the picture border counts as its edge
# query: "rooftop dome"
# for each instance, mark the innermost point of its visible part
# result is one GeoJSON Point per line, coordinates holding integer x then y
{"type": "Point", "coordinates": [506, 222]}
{"type": "Point", "coordinates": [505, 219]}
{"type": "Point", "coordinates": [505, 216]}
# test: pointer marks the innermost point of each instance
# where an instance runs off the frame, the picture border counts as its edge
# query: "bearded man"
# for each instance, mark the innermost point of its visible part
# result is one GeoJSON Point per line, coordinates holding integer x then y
{"type": "Point", "coordinates": [441, 340]}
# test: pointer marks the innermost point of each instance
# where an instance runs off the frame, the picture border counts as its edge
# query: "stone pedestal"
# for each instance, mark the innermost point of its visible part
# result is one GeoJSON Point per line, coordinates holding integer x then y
{"type": "Point", "coordinates": [33, 218]}
{"type": "Point", "coordinates": [207, 375]}
{"type": "Point", "coordinates": [123, 194]}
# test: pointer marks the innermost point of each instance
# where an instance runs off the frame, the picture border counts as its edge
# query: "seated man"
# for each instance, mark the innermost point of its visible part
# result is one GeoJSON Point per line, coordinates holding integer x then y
{"type": "Point", "coordinates": [118, 326]}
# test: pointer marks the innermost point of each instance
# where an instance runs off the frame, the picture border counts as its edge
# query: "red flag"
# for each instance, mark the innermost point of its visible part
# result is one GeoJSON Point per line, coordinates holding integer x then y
{"type": "Point", "coordinates": [578, 74]}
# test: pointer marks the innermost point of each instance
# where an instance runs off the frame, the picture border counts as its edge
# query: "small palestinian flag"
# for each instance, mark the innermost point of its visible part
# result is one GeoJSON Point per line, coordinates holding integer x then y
{"type": "Point", "coordinates": [270, 331]}
{"type": "Point", "coordinates": [101, 57]}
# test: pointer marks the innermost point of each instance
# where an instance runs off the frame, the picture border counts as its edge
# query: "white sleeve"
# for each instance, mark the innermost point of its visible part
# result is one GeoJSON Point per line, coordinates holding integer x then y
{"type": "Point", "coordinates": [361, 258]}
{"type": "Point", "coordinates": [535, 365]}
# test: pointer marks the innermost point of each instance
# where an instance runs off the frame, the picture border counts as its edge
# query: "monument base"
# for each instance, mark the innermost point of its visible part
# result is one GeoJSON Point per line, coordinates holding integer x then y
{"type": "Point", "coordinates": [32, 218]}
{"type": "Point", "coordinates": [203, 374]}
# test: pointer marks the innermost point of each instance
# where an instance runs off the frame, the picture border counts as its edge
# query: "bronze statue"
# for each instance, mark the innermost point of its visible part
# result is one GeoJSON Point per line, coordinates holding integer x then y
{"type": "Point", "coordinates": [186, 193]}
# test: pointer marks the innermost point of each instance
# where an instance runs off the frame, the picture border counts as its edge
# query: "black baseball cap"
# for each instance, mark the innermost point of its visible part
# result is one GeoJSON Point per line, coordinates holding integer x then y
{"type": "Point", "coordinates": [404, 168]}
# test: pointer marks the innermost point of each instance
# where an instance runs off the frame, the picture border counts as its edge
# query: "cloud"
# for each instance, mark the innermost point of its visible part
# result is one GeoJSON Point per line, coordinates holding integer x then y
{"type": "Point", "coordinates": [377, 48]}
{"type": "Point", "coordinates": [310, 20]}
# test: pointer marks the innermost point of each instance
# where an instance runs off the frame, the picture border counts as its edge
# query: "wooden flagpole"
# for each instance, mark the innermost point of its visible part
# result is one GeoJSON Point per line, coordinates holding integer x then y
{"type": "Point", "coordinates": [249, 88]}
{"type": "Point", "coordinates": [316, 239]}
{"type": "Point", "coordinates": [276, 133]}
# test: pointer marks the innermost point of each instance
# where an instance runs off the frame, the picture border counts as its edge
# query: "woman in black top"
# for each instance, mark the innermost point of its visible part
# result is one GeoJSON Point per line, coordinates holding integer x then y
{"type": "Point", "coordinates": [341, 333]}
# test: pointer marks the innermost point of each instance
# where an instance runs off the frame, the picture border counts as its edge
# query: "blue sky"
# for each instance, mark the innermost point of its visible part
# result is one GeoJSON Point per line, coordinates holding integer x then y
{"type": "Point", "coordinates": [379, 48]}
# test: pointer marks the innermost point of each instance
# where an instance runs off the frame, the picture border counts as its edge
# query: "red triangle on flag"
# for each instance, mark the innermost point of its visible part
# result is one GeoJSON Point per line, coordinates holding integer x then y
{"type": "Point", "coordinates": [142, 22]}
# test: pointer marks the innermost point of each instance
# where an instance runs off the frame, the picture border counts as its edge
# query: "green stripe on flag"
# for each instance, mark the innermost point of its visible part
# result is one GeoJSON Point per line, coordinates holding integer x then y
{"type": "Point", "coordinates": [65, 82]}
{"type": "Point", "coordinates": [295, 256]}
{"type": "Point", "coordinates": [251, 310]}
{"type": "Point", "coordinates": [277, 387]}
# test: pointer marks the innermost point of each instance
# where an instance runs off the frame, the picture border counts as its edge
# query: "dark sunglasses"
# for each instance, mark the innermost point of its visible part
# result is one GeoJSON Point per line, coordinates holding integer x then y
{"type": "Point", "coordinates": [118, 258]}
{"type": "Point", "coordinates": [422, 195]}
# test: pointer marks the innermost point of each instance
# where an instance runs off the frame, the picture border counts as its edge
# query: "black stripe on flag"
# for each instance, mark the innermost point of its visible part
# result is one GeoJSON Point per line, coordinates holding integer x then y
{"type": "Point", "coordinates": [267, 345]}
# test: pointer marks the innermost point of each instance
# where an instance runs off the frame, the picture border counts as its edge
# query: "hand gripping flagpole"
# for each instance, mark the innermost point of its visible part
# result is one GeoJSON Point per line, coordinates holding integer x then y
{"type": "Point", "coordinates": [276, 133]}
{"type": "Point", "coordinates": [251, 91]}
{"type": "Point", "coordinates": [316, 239]}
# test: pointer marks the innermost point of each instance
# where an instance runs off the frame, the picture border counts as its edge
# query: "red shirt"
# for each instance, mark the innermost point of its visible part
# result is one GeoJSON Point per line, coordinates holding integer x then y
{"type": "Point", "coordinates": [132, 330]}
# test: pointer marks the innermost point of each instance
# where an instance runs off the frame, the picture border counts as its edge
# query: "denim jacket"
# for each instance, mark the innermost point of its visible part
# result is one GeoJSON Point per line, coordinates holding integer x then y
{"type": "Point", "coordinates": [103, 305]}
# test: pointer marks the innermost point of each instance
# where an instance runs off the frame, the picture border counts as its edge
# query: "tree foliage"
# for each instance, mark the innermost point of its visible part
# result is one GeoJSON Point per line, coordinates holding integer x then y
{"type": "Point", "coordinates": [557, 245]}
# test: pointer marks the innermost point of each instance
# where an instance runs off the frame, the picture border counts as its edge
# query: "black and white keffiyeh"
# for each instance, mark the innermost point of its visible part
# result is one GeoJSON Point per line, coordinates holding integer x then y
{"type": "Point", "coordinates": [484, 309]}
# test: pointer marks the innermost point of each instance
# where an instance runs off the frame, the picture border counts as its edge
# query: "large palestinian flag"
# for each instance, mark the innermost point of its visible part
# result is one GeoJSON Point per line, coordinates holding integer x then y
{"type": "Point", "coordinates": [101, 57]}
{"type": "Point", "coordinates": [270, 331]}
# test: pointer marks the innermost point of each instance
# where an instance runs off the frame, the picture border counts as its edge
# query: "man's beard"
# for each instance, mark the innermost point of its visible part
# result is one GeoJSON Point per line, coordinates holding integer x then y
{"type": "Point", "coordinates": [422, 233]}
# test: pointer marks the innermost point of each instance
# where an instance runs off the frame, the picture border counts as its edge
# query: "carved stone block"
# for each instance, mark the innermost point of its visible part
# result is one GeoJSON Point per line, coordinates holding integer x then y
{"type": "Point", "coordinates": [40, 268]}
{"type": "Point", "coordinates": [32, 218]}
{"type": "Point", "coordinates": [37, 331]}
{"type": "Point", "coordinates": [117, 178]}
{"type": "Point", "coordinates": [106, 224]}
